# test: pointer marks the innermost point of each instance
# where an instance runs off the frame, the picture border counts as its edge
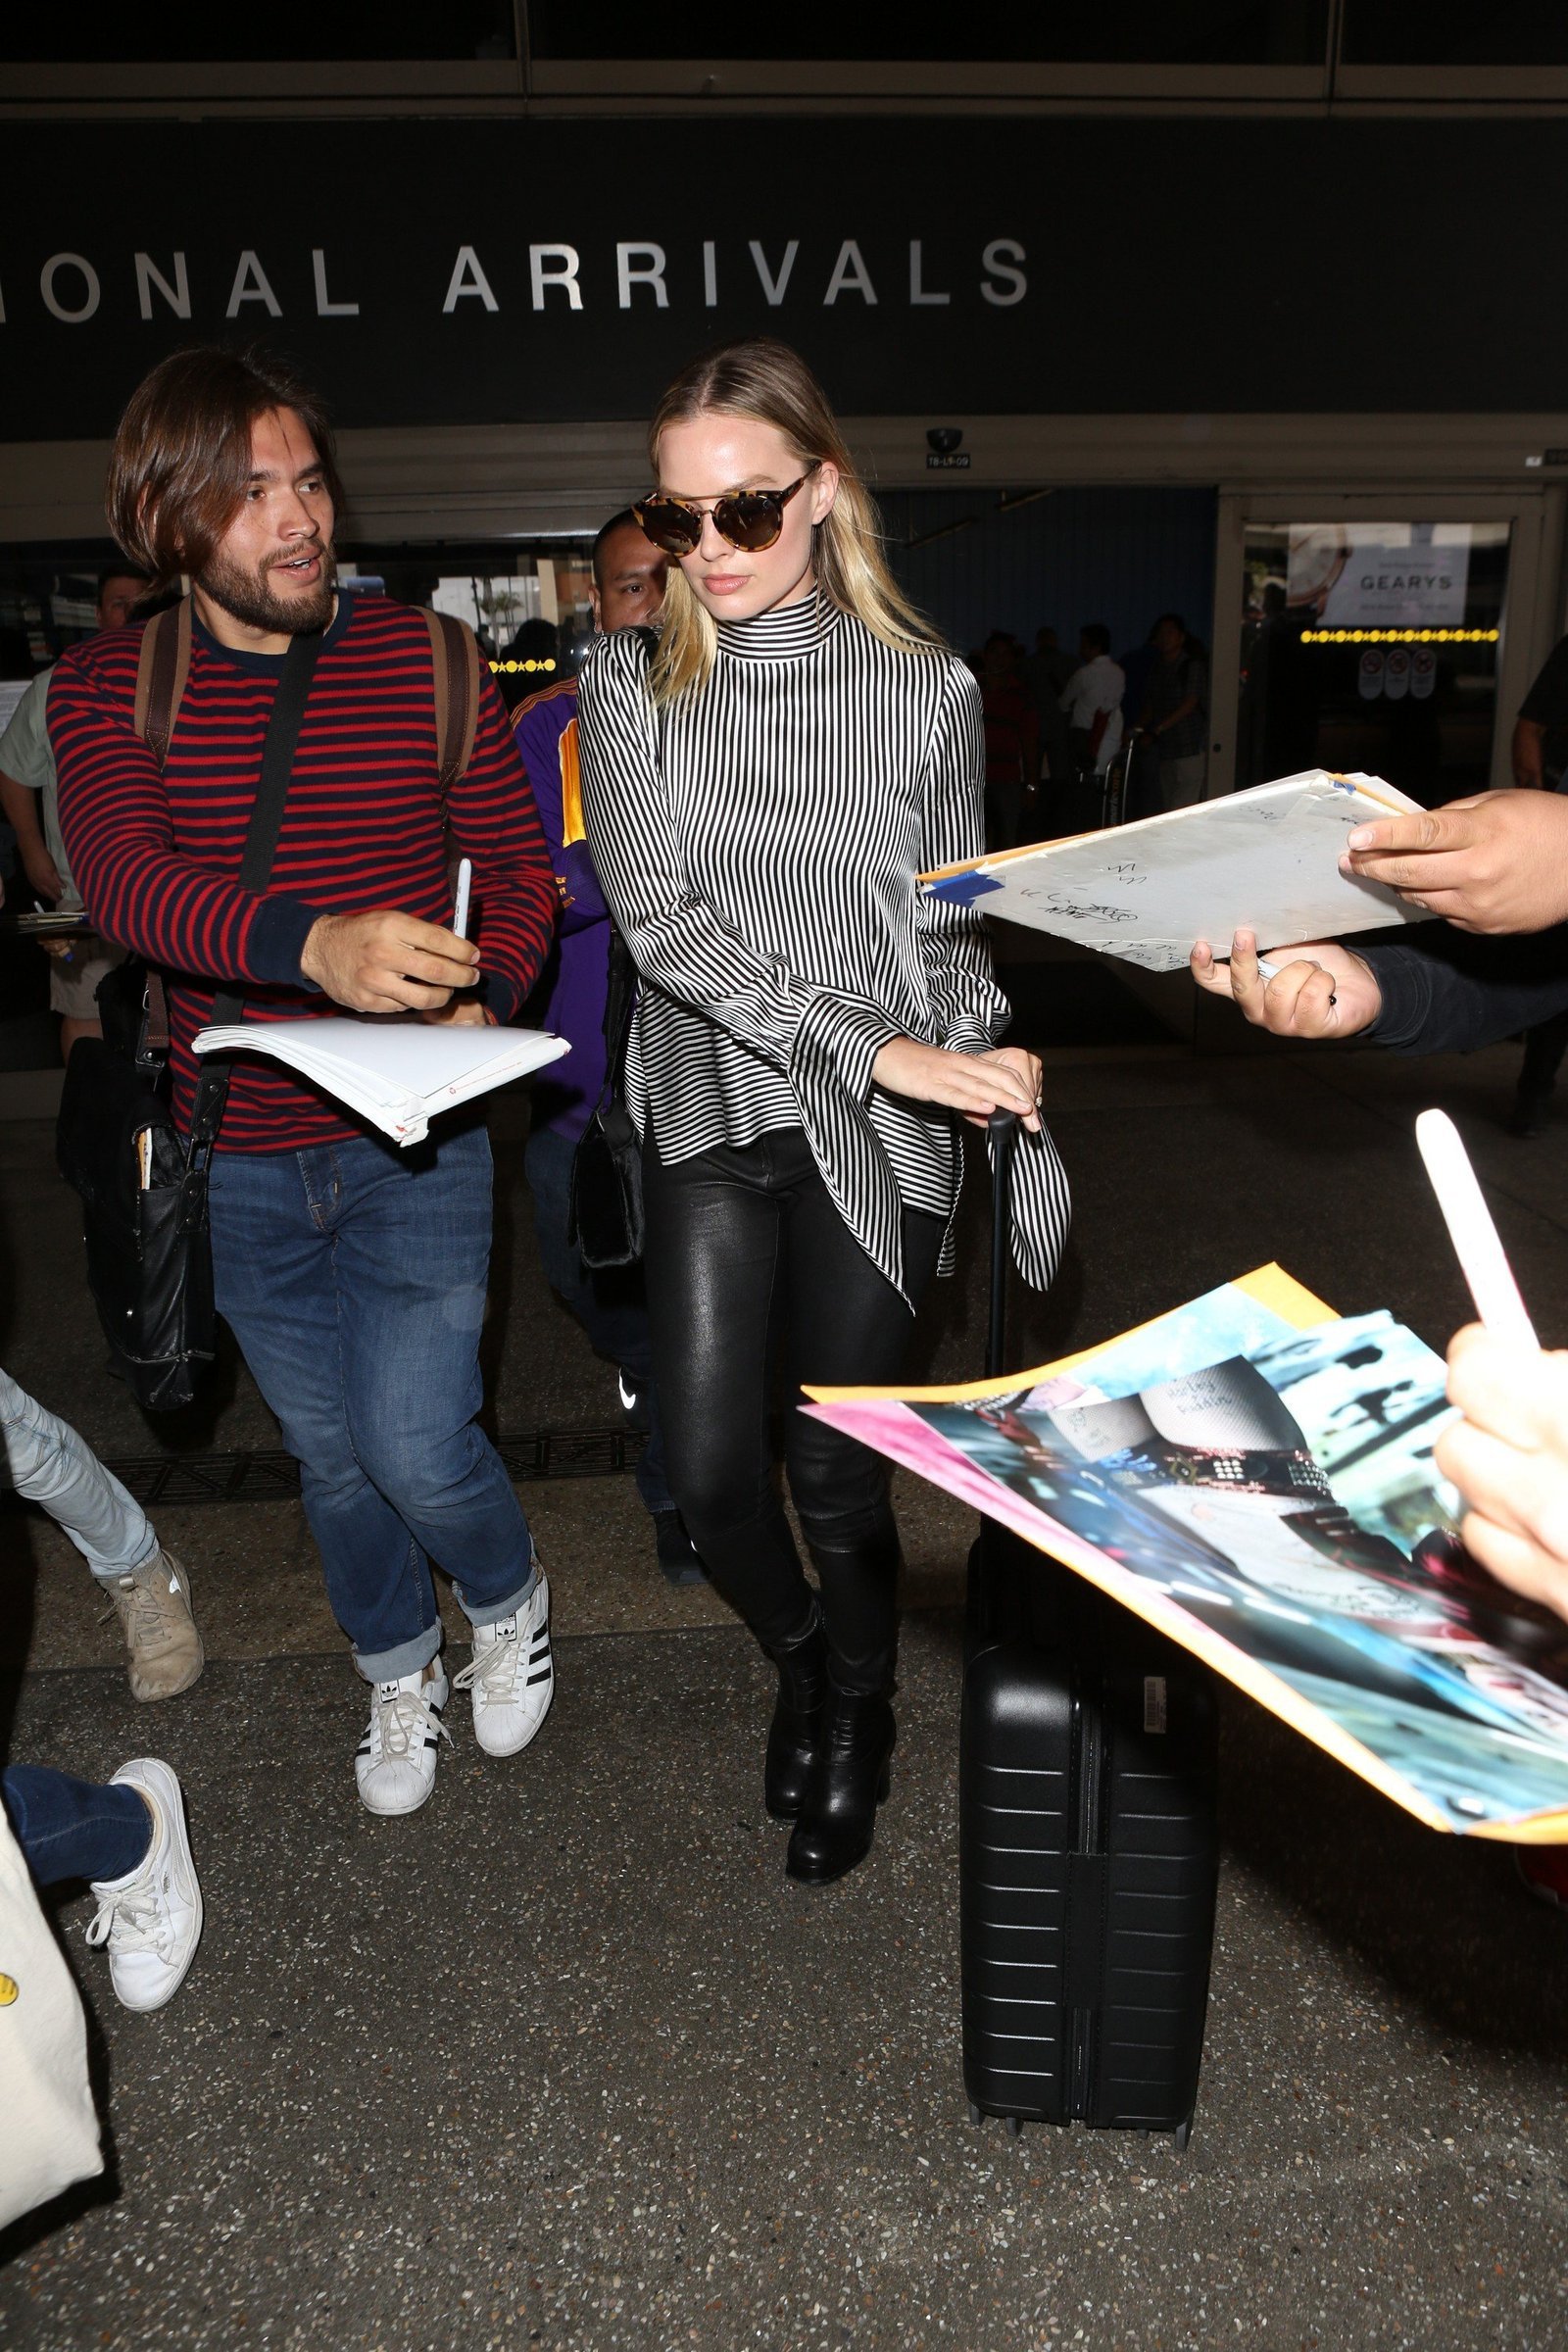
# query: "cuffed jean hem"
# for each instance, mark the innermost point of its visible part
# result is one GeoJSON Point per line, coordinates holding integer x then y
{"type": "Point", "coordinates": [109, 1578]}
{"type": "Point", "coordinates": [409, 1657]}
{"type": "Point", "coordinates": [491, 1612]}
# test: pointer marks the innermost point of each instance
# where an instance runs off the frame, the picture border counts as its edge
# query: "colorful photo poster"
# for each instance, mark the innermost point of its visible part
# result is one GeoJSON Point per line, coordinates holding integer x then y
{"type": "Point", "coordinates": [1253, 1476]}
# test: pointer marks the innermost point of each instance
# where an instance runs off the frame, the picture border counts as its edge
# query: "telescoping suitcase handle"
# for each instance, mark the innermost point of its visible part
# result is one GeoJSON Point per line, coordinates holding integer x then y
{"type": "Point", "coordinates": [1004, 1130]}
{"type": "Point", "coordinates": [987, 1580]}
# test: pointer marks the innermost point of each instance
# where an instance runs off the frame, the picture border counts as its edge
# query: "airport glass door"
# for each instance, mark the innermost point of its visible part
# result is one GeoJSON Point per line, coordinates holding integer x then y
{"type": "Point", "coordinates": [1376, 645]}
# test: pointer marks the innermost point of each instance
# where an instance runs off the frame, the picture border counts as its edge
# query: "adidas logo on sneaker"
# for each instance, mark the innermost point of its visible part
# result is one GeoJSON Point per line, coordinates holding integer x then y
{"type": "Point", "coordinates": [395, 1764]}
{"type": "Point", "coordinates": [511, 1676]}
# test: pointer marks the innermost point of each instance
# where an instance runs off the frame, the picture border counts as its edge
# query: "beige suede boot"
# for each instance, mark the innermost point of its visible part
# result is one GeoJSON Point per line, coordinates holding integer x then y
{"type": "Point", "coordinates": [153, 1605]}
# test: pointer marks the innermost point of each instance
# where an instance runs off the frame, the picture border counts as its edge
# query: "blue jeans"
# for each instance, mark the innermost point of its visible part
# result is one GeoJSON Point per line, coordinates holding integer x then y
{"type": "Point", "coordinates": [69, 1829]}
{"type": "Point", "coordinates": [58, 1470]}
{"type": "Point", "coordinates": [353, 1276]}
{"type": "Point", "coordinates": [610, 1307]}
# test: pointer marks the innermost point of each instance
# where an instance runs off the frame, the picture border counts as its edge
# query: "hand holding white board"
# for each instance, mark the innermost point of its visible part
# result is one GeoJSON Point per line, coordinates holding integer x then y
{"type": "Point", "coordinates": [1265, 861]}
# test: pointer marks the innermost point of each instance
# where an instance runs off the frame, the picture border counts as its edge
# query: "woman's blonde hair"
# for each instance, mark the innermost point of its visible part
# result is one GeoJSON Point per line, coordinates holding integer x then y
{"type": "Point", "coordinates": [767, 381]}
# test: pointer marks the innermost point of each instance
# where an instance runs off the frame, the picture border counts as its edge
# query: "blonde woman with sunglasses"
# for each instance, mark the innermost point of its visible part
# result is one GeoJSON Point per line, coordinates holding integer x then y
{"type": "Point", "coordinates": [760, 794]}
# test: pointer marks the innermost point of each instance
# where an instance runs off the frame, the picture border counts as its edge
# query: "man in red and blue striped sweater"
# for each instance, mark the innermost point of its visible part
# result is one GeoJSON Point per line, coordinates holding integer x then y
{"type": "Point", "coordinates": [353, 1274]}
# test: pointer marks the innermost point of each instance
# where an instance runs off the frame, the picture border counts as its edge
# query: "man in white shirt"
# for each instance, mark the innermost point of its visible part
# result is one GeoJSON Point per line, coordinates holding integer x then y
{"type": "Point", "coordinates": [1093, 701]}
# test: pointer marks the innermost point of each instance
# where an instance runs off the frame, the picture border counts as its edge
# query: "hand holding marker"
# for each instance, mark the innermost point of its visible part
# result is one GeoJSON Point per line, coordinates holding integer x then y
{"type": "Point", "coordinates": [1508, 1455]}
{"type": "Point", "coordinates": [1474, 1236]}
{"type": "Point", "coordinates": [1267, 971]}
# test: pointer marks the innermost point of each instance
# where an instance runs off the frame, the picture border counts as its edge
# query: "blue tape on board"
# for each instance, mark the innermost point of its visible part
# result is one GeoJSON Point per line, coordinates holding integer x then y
{"type": "Point", "coordinates": [962, 890]}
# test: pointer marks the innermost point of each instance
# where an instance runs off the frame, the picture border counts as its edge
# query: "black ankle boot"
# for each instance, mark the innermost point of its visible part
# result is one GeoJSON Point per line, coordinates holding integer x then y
{"type": "Point", "coordinates": [793, 1734]}
{"type": "Point", "coordinates": [848, 1781]}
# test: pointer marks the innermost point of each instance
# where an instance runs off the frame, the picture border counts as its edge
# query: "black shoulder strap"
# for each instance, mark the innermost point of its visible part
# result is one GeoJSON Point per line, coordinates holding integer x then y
{"type": "Point", "coordinates": [256, 869]}
{"type": "Point", "coordinates": [620, 1002]}
{"type": "Point", "coordinates": [621, 996]}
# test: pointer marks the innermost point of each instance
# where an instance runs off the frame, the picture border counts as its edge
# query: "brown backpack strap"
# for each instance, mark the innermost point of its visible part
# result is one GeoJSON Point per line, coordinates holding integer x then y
{"type": "Point", "coordinates": [455, 659]}
{"type": "Point", "coordinates": [161, 675]}
{"type": "Point", "coordinates": [155, 1037]}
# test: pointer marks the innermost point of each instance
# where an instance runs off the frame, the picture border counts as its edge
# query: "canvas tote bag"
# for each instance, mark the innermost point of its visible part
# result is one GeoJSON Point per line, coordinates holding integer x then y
{"type": "Point", "coordinates": [51, 2133]}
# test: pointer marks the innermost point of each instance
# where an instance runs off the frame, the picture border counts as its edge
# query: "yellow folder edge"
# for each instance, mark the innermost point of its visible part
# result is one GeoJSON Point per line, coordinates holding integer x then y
{"type": "Point", "coordinates": [990, 859]}
{"type": "Point", "coordinates": [1290, 1300]}
{"type": "Point", "coordinates": [1269, 1285]}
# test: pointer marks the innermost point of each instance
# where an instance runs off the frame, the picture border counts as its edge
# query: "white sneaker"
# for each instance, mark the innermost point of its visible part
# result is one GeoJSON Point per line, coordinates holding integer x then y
{"type": "Point", "coordinates": [395, 1766]}
{"type": "Point", "coordinates": [152, 1918]}
{"type": "Point", "coordinates": [511, 1676]}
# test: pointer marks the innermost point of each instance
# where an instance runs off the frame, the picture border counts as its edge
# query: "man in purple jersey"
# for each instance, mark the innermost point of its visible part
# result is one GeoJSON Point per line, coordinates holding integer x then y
{"type": "Point", "coordinates": [629, 590]}
{"type": "Point", "coordinates": [353, 1274]}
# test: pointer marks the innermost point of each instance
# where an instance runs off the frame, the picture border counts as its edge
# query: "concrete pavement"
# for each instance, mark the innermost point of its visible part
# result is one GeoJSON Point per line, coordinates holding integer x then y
{"type": "Point", "coordinates": [565, 2061]}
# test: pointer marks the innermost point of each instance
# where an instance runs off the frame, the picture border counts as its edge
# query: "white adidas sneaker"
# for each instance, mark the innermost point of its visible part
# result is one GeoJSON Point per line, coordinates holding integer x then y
{"type": "Point", "coordinates": [512, 1677]}
{"type": "Point", "coordinates": [395, 1766]}
{"type": "Point", "coordinates": [150, 1919]}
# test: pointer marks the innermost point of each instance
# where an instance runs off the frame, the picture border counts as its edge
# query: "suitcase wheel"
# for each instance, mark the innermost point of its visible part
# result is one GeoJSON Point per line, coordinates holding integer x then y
{"type": "Point", "coordinates": [976, 2116]}
{"type": "Point", "coordinates": [1015, 2126]}
{"type": "Point", "coordinates": [1182, 2134]}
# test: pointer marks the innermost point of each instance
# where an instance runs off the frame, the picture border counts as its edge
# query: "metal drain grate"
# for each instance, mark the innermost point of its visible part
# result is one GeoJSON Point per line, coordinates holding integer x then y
{"type": "Point", "coordinates": [175, 1480]}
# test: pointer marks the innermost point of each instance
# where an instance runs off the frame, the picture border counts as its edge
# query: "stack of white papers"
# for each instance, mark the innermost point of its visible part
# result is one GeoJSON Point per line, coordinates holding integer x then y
{"type": "Point", "coordinates": [1266, 858]}
{"type": "Point", "coordinates": [397, 1074]}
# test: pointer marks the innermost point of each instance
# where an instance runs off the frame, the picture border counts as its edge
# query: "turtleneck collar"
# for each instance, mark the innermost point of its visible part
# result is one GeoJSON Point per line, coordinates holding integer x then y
{"type": "Point", "coordinates": [786, 634]}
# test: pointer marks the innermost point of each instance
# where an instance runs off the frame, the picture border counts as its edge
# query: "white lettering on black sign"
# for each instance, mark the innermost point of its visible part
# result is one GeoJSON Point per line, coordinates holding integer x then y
{"type": "Point", "coordinates": [646, 275]}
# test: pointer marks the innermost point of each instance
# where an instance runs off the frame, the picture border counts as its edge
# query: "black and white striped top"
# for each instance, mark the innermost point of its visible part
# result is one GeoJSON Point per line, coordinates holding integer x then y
{"type": "Point", "coordinates": [757, 843]}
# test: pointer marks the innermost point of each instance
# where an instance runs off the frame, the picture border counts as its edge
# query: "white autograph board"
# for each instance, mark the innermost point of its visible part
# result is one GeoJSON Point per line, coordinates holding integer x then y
{"type": "Point", "coordinates": [398, 1074]}
{"type": "Point", "coordinates": [1267, 858]}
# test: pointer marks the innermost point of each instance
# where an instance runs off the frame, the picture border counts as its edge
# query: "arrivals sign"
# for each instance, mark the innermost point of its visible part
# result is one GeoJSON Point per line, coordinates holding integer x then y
{"type": "Point", "coordinates": [502, 270]}
{"type": "Point", "coordinates": [443, 272]}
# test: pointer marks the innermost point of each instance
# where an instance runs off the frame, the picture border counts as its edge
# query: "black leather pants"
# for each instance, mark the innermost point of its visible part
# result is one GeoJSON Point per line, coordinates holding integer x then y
{"type": "Point", "coordinates": [746, 1255]}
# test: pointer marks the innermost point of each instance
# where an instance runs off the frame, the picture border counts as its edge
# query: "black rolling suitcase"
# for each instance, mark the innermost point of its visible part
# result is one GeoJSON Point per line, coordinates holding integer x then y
{"type": "Point", "coordinates": [1088, 1848]}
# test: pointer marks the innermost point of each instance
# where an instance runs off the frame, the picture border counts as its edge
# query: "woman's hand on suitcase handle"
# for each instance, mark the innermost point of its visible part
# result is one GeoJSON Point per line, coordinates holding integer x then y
{"type": "Point", "coordinates": [1028, 1073]}
{"type": "Point", "coordinates": [1006, 1078]}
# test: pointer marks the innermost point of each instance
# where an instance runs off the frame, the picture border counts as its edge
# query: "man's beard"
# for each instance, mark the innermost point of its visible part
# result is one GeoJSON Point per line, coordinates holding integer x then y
{"type": "Point", "coordinates": [246, 597]}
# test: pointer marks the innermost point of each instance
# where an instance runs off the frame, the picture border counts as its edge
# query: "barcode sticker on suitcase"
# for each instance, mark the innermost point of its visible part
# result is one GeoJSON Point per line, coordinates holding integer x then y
{"type": "Point", "coordinates": [1155, 1709]}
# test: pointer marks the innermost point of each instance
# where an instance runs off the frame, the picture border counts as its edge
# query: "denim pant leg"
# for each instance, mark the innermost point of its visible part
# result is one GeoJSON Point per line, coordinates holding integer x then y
{"type": "Point", "coordinates": [612, 1306]}
{"type": "Point", "coordinates": [54, 1467]}
{"type": "Point", "coordinates": [412, 1261]}
{"type": "Point", "coordinates": [69, 1829]}
{"type": "Point", "coordinates": [274, 1275]}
